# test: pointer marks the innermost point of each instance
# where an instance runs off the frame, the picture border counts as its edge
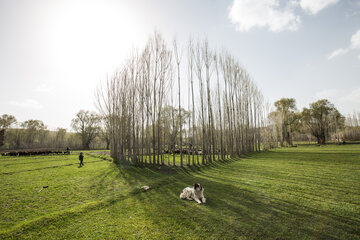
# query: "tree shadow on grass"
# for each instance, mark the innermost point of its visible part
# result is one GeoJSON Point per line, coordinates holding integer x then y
{"type": "Point", "coordinates": [230, 210]}
{"type": "Point", "coordinates": [242, 213]}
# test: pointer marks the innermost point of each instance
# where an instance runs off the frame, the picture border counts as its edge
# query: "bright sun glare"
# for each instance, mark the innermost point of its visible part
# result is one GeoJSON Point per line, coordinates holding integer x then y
{"type": "Point", "coordinates": [93, 38]}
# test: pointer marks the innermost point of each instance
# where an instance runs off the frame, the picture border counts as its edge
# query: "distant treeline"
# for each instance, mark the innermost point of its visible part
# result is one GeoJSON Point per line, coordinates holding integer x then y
{"type": "Point", "coordinates": [352, 128]}
{"type": "Point", "coordinates": [33, 134]}
{"type": "Point", "coordinates": [321, 123]}
{"type": "Point", "coordinates": [31, 152]}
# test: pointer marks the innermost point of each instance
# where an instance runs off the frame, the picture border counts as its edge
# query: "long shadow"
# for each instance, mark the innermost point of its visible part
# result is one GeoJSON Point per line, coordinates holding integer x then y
{"type": "Point", "coordinates": [305, 155]}
{"type": "Point", "coordinates": [42, 161]}
{"type": "Point", "coordinates": [25, 158]}
{"type": "Point", "coordinates": [36, 169]}
{"type": "Point", "coordinates": [303, 180]}
{"type": "Point", "coordinates": [250, 214]}
{"type": "Point", "coordinates": [256, 215]}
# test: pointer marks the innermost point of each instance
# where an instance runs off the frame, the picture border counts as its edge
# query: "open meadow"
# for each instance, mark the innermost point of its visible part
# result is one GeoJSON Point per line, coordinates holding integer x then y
{"type": "Point", "coordinates": [307, 192]}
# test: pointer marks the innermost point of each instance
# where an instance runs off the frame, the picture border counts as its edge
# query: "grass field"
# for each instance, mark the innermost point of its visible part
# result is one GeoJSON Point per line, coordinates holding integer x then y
{"type": "Point", "coordinates": [308, 192]}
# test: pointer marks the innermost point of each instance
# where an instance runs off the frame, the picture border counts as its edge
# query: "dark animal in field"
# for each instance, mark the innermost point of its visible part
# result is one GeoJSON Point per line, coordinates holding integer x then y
{"type": "Point", "coordinates": [31, 152]}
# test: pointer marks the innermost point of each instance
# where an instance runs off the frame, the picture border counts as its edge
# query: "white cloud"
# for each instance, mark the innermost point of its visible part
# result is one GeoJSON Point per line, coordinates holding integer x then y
{"type": "Point", "coordinates": [27, 103]}
{"type": "Point", "coordinates": [338, 52]}
{"type": "Point", "coordinates": [315, 6]}
{"type": "Point", "coordinates": [346, 101]}
{"type": "Point", "coordinates": [353, 96]}
{"type": "Point", "coordinates": [355, 40]}
{"type": "Point", "coordinates": [354, 45]}
{"type": "Point", "coordinates": [329, 93]}
{"type": "Point", "coordinates": [246, 14]}
{"type": "Point", "coordinates": [43, 88]}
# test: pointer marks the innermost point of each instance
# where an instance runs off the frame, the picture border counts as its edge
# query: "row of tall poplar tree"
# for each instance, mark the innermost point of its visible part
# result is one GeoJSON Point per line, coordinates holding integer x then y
{"type": "Point", "coordinates": [144, 103]}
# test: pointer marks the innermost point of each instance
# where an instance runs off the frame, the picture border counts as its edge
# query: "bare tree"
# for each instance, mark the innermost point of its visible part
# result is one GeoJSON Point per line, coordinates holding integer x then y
{"type": "Point", "coordinates": [145, 124]}
{"type": "Point", "coordinates": [208, 58]}
{"type": "Point", "coordinates": [216, 61]}
{"type": "Point", "coordinates": [60, 137]}
{"type": "Point", "coordinates": [193, 143]}
{"type": "Point", "coordinates": [199, 68]}
{"type": "Point", "coordinates": [104, 132]}
{"type": "Point", "coordinates": [178, 60]}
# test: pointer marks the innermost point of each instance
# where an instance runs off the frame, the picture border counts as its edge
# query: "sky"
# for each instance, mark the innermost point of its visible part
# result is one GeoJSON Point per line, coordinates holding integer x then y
{"type": "Point", "coordinates": [54, 54]}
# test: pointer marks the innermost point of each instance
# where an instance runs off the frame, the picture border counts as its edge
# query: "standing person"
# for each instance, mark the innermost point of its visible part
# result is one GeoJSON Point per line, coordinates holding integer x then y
{"type": "Point", "coordinates": [81, 158]}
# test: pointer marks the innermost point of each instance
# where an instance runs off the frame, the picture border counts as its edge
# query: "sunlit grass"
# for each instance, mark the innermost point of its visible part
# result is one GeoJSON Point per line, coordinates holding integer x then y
{"type": "Point", "coordinates": [308, 192]}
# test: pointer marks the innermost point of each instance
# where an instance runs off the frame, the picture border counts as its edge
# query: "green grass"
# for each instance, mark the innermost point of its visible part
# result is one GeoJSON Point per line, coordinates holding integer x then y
{"type": "Point", "coordinates": [307, 192]}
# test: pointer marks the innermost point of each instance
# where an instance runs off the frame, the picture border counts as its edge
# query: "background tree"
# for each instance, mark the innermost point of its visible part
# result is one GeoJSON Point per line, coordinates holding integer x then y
{"type": "Point", "coordinates": [35, 133]}
{"type": "Point", "coordinates": [60, 137]}
{"type": "Point", "coordinates": [15, 137]}
{"type": "Point", "coordinates": [322, 119]}
{"type": "Point", "coordinates": [352, 127]}
{"type": "Point", "coordinates": [87, 125]}
{"type": "Point", "coordinates": [286, 118]}
{"type": "Point", "coordinates": [104, 133]}
{"type": "Point", "coordinates": [5, 122]}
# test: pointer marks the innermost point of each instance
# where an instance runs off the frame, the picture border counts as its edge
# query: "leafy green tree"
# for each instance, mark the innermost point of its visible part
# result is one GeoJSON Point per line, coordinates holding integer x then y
{"type": "Point", "coordinates": [87, 125]}
{"type": "Point", "coordinates": [286, 119]}
{"type": "Point", "coordinates": [322, 118]}
{"type": "Point", "coordinates": [5, 122]}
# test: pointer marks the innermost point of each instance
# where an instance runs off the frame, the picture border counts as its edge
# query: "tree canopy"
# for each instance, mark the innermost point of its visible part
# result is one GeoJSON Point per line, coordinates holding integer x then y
{"type": "Point", "coordinates": [87, 125]}
{"type": "Point", "coordinates": [5, 122]}
{"type": "Point", "coordinates": [322, 118]}
{"type": "Point", "coordinates": [286, 119]}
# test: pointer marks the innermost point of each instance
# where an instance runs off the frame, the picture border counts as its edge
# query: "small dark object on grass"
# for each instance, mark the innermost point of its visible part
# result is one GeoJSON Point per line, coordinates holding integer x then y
{"type": "Point", "coordinates": [43, 188]}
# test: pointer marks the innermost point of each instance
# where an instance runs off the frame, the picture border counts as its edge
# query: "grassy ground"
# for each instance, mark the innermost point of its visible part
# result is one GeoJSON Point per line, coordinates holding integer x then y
{"type": "Point", "coordinates": [308, 192]}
